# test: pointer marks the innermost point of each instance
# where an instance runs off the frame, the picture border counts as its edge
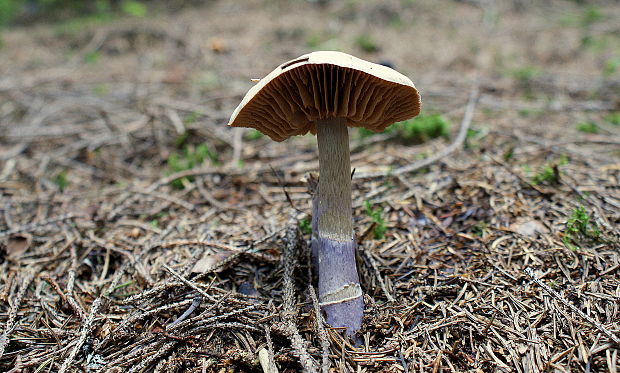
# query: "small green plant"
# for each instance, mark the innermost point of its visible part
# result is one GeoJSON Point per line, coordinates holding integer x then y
{"type": "Point", "coordinates": [305, 226]}
{"type": "Point", "coordinates": [591, 14]}
{"type": "Point", "coordinates": [181, 141]}
{"type": "Point", "coordinates": [366, 43]}
{"type": "Point", "coordinates": [92, 57]}
{"type": "Point", "coordinates": [585, 19]}
{"type": "Point", "coordinates": [473, 133]}
{"type": "Point", "coordinates": [569, 20]}
{"type": "Point", "coordinates": [525, 74]}
{"type": "Point", "coordinates": [72, 13]}
{"type": "Point", "coordinates": [613, 118]}
{"type": "Point", "coordinates": [475, 136]}
{"type": "Point", "coordinates": [587, 127]}
{"type": "Point", "coordinates": [61, 180]}
{"type": "Point", "coordinates": [479, 228]}
{"type": "Point", "coordinates": [375, 216]}
{"type": "Point", "coordinates": [133, 8]}
{"type": "Point", "coordinates": [253, 135]}
{"type": "Point", "coordinates": [364, 133]}
{"type": "Point", "coordinates": [322, 40]}
{"type": "Point", "coordinates": [101, 89]}
{"type": "Point", "coordinates": [9, 9]}
{"type": "Point", "coordinates": [424, 127]}
{"type": "Point", "coordinates": [580, 228]}
{"type": "Point", "coordinates": [550, 173]}
{"type": "Point", "coordinates": [314, 40]}
{"type": "Point", "coordinates": [155, 222]}
{"type": "Point", "coordinates": [191, 118]}
{"type": "Point", "coordinates": [190, 158]}
{"type": "Point", "coordinates": [527, 113]}
{"type": "Point", "coordinates": [417, 130]}
{"type": "Point", "coordinates": [596, 43]}
{"type": "Point", "coordinates": [397, 22]}
{"type": "Point", "coordinates": [509, 154]}
{"type": "Point", "coordinates": [611, 66]}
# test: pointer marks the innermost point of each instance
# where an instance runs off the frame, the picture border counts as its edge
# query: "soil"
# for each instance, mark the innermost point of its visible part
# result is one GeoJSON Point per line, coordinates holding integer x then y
{"type": "Point", "coordinates": [140, 233]}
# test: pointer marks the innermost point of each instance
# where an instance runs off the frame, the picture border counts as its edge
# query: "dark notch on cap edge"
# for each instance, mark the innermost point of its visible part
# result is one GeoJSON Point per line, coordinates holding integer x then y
{"type": "Point", "coordinates": [291, 63]}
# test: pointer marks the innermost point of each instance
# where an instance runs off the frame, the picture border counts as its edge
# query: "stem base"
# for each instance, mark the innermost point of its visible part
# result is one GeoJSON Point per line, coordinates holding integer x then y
{"type": "Point", "coordinates": [339, 291]}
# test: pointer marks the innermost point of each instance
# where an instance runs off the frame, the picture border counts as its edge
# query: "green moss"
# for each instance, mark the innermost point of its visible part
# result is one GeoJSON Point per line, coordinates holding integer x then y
{"type": "Point", "coordinates": [101, 89]}
{"type": "Point", "coordinates": [305, 226]}
{"type": "Point", "coordinates": [580, 229]}
{"type": "Point", "coordinates": [613, 118]}
{"type": "Point", "coordinates": [181, 141]}
{"type": "Point", "coordinates": [525, 74]}
{"type": "Point", "coordinates": [253, 135]}
{"type": "Point", "coordinates": [364, 133]}
{"type": "Point", "coordinates": [133, 8]}
{"type": "Point", "coordinates": [592, 14]}
{"type": "Point", "coordinates": [480, 228]}
{"type": "Point", "coordinates": [191, 118]}
{"type": "Point", "coordinates": [596, 43]}
{"type": "Point", "coordinates": [547, 175]}
{"type": "Point", "coordinates": [73, 13]}
{"type": "Point", "coordinates": [527, 113]}
{"type": "Point", "coordinates": [375, 216]}
{"type": "Point", "coordinates": [550, 173]}
{"type": "Point", "coordinates": [424, 127]}
{"type": "Point", "coordinates": [611, 66]}
{"type": "Point", "coordinates": [9, 10]}
{"type": "Point", "coordinates": [509, 154]}
{"type": "Point", "coordinates": [417, 130]}
{"type": "Point", "coordinates": [76, 25]}
{"type": "Point", "coordinates": [61, 180]}
{"type": "Point", "coordinates": [187, 160]}
{"type": "Point", "coordinates": [587, 127]}
{"type": "Point", "coordinates": [366, 43]}
{"type": "Point", "coordinates": [397, 22]}
{"type": "Point", "coordinates": [314, 40]}
{"type": "Point", "coordinates": [92, 57]}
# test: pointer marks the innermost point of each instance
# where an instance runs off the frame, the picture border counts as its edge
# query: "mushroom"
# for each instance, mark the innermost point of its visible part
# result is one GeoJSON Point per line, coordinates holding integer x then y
{"type": "Point", "coordinates": [325, 93]}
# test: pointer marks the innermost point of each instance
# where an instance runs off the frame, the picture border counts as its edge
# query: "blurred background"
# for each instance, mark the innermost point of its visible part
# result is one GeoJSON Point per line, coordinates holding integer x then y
{"type": "Point", "coordinates": [105, 64]}
{"type": "Point", "coordinates": [113, 135]}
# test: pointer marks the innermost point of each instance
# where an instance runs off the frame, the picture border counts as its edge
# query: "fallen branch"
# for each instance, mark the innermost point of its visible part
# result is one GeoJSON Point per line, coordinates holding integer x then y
{"type": "Point", "coordinates": [94, 309]}
{"type": "Point", "coordinates": [86, 328]}
{"type": "Point", "coordinates": [188, 283]}
{"type": "Point", "coordinates": [322, 333]}
{"type": "Point", "coordinates": [289, 310]}
{"type": "Point", "coordinates": [34, 226]}
{"type": "Point", "coordinates": [10, 324]}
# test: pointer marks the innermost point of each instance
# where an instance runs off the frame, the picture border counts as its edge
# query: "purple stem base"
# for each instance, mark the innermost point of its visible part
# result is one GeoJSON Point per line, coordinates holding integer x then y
{"type": "Point", "coordinates": [337, 269]}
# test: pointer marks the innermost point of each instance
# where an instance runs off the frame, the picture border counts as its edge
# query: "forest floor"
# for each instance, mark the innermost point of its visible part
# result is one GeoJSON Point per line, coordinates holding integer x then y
{"type": "Point", "coordinates": [126, 201]}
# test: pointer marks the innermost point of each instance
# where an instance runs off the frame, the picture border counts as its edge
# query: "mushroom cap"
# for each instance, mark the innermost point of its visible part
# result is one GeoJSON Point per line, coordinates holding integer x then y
{"type": "Point", "coordinates": [324, 85]}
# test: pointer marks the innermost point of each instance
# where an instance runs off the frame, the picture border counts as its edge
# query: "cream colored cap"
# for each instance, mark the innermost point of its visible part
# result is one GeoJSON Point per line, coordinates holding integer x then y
{"type": "Point", "coordinates": [323, 85]}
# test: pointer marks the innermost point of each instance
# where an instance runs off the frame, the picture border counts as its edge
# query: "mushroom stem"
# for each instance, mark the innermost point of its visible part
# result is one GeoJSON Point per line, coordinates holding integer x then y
{"type": "Point", "coordinates": [340, 293]}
